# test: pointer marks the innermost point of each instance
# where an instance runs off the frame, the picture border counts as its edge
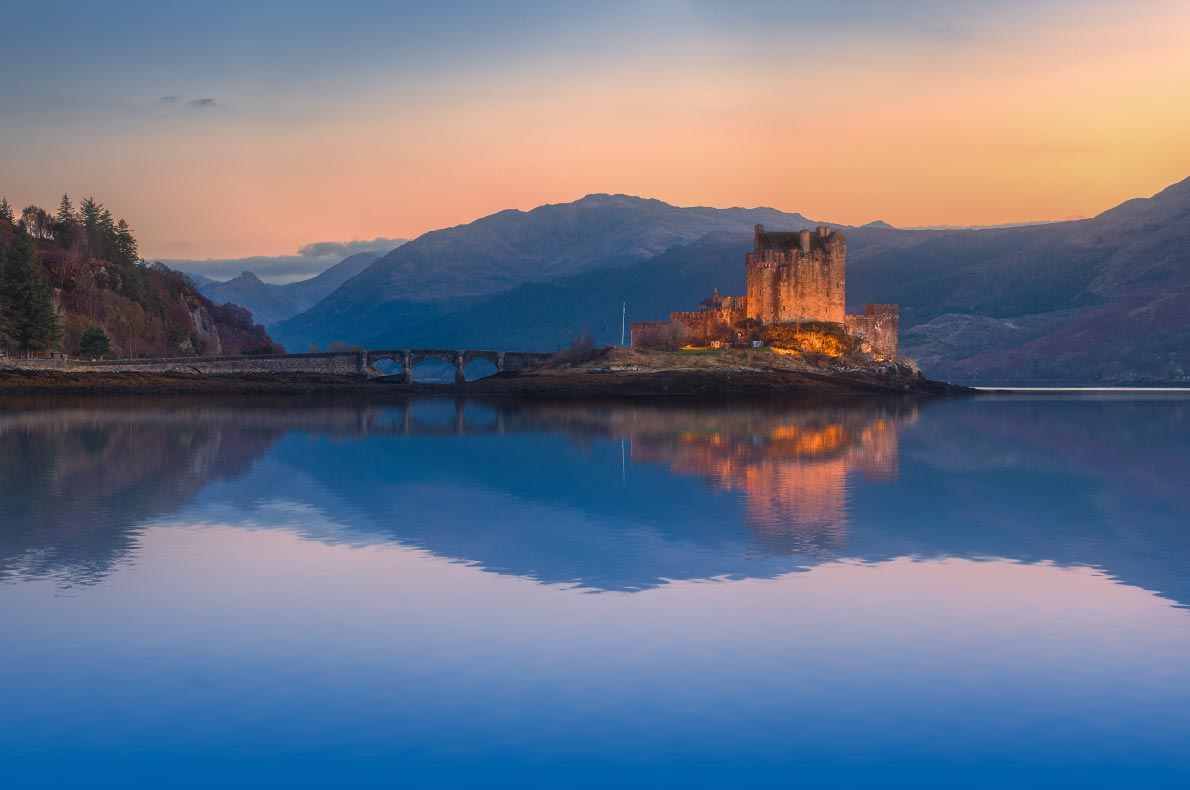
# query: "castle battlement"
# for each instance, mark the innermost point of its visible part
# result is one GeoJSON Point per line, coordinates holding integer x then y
{"type": "Point", "coordinates": [795, 243]}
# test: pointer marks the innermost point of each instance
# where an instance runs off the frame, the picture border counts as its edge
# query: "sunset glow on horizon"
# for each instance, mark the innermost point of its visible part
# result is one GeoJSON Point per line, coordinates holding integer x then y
{"type": "Point", "coordinates": [223, 132]}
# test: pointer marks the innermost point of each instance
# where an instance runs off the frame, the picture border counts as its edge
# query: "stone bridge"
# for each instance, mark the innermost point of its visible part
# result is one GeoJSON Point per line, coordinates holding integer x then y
{"type": "Point", "coordinates": [336, 363]}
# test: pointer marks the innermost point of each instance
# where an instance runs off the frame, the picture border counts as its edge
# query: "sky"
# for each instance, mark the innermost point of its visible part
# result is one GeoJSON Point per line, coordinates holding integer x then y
{"type": "Point", "coordinates": [233, 129]}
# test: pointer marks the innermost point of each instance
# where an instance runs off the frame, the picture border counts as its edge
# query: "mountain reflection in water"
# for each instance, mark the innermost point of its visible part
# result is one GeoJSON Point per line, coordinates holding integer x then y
{"type": "Point", "coordinates": [610, 496]}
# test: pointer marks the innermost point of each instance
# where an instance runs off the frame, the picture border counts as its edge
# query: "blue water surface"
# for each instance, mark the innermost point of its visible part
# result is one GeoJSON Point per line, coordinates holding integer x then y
{"type": "Point", "coordinates": [974, 592]}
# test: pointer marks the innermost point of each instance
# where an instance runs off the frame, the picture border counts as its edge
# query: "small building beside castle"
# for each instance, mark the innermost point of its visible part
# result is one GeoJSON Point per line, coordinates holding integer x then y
{"type": "Point", "coordinates": [793, 278]}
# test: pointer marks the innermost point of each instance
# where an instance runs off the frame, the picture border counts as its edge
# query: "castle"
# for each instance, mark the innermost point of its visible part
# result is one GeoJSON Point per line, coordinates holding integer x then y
{"type": "Point", "coordinates": [793, 277]}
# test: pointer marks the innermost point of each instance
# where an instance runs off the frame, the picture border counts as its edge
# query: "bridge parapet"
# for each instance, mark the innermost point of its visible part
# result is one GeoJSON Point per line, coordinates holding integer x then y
{"type": "Point", "coordinates": [333, 363]}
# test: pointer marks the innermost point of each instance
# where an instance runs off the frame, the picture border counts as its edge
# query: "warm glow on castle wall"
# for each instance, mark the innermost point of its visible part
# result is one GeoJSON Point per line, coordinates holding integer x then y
{"type": "Point", "coordinates": [323, 128]}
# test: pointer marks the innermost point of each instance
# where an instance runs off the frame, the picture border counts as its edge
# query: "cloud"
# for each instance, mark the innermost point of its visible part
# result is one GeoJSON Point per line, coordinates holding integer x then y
{"type": "Point", "coordinates": [341, 249]}
{"type": "Point", "coordinates": [208, 102]}
{"type": "Point", "coordinates": [170, 99]}
{"type": "Point", "coordinates": [311, 259]}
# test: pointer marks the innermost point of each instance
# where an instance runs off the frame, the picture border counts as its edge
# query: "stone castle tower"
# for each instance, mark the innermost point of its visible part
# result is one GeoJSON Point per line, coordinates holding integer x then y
{"type": "Point", "coordinates": [793, 277]}
{"type": "Point", "coordinates": [797, 276]}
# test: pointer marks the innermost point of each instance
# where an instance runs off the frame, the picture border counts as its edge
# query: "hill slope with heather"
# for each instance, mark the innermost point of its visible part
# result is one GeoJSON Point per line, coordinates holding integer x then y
{"type": "Point", "coordinates": [87, 270]}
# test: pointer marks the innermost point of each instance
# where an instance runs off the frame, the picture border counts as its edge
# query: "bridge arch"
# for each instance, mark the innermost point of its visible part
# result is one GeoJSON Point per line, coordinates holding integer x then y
{"type": "Point", "coordinates": [480, 369]}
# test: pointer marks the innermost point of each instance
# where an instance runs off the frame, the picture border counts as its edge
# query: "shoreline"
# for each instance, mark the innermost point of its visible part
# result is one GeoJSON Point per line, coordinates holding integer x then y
{"type": "Point", "coordinates": [536, 384]}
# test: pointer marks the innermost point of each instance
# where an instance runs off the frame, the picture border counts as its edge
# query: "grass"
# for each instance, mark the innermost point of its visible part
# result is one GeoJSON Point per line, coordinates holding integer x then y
{"type": "Point", "coordinates": [701, 352]}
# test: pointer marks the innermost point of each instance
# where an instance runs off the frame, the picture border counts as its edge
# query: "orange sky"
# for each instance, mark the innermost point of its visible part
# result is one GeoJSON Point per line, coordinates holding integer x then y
{"type": "Point", "coordinates": [1051, 111]}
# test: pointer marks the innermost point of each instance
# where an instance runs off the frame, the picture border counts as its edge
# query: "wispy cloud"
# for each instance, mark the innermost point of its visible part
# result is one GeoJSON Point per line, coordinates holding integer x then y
{"type": "Point", "coordinates": [341, 249]}
{"type": "Point", "coordinates": [205, 102]}
{"type": "Point", "coordinates": [170, 99]}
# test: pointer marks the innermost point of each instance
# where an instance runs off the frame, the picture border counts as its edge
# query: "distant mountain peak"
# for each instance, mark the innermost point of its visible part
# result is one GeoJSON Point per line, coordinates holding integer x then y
{"type": "Point", "coordinates": [607, 198]}
{"type": "Point", "coordinates": [879, 223]}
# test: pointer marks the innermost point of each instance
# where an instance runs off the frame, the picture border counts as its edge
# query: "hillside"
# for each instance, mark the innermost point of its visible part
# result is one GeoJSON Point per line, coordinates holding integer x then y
{"type": "Point", "coordinates": [86, 269]}
{"type": "Point", "coordinates": [562, 309]}
{"type": "Point", "coordinates": [446, 270]}
{"type": "Point", "coordinates": [1100, 300]}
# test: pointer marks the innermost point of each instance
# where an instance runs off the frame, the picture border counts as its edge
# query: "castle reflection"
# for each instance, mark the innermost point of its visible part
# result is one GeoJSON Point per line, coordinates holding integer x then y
{"type": "Point", "coordinates": [793, 469]}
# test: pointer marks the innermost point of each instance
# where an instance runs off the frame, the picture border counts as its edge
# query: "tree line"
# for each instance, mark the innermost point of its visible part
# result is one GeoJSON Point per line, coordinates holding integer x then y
{"type": "Point", "coordinates": [29, 322]}
{"type": "Point", "coordinates": [91, 230]}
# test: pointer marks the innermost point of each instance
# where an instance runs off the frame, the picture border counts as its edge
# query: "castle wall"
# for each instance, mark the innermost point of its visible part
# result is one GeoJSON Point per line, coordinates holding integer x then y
{"type": "Point", "coordinates": [880, 326]}
{"type": "Point", "coordinates": [651, 334]}
{"type": "Point", "coordinates": [707, 325]}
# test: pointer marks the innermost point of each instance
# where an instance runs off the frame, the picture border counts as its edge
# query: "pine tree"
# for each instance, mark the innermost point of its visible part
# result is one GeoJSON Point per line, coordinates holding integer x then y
{"type": "Point", "coordinates": [91, 214]}
{"type": "Point", "coordinates": [126, 247]}
{"type": "Point", "coordinates": [65, 210]}
{"type": "Point", "coordinates": [95, 343]}
{"type": "Point", "coordinates": [107, 236]}
{"type": "Point", "coordinates": [6, 211]}
{"type": "Point", "coordinates": [26, 301]}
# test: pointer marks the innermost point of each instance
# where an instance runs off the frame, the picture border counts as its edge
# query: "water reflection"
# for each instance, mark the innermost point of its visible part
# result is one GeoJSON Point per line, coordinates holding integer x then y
{"type": "Point", "coordinates": [77, 482]}
{"type": "Point", "coordinates": [791, 467]}
{"type": "Point", "coordinates": [465, 593]}
{"type": "Point", "coordinates": [610, 496]}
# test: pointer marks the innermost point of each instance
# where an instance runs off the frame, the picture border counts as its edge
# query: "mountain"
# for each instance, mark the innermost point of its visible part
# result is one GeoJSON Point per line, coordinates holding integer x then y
{"type": "Point", "coordinates": [1100, 300]}
{"type": "Point", "coordinates": [446, 270]}
{"type": "Point", "coordinates": [562, 309]}
{"type": "Point", "coordinates": [1105, 299]}
{"type": "Point", "coordinates": [307, 293]}
{"type": "Point", "coordinates": [267, 303]}
{"type": "Point", "coordinates": [271, 302]}
{"type": "Point", "coordinates": [542, 316]}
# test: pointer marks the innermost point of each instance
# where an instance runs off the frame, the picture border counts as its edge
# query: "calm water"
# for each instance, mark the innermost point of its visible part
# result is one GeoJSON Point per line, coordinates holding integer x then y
{"type": "Point", "coordinates": [985, 592]}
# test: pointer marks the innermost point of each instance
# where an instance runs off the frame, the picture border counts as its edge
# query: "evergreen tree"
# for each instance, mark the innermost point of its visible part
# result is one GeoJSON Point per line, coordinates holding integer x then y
{"type": "Point", "coordinates": [107, 236]}
{"type": "Point", "coordinates": [91, 214]}
{"type": "Point", "coordinates": [126, 247]}
{"type": "Point", "coordinates": [26, 301]}
{"type": "Point", "coordinates": [65, 210]}
{"type": "Point", "coordinates": [95, 343]}
{"type": "Point", "coordinates": [6, 211]}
